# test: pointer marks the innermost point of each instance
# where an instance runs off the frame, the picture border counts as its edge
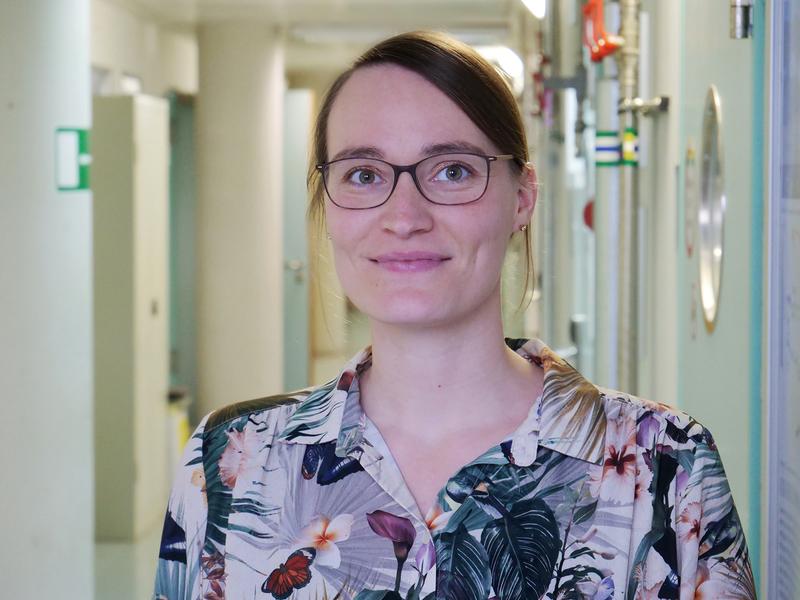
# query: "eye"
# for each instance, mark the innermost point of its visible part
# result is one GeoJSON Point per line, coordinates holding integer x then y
{"type": "Point", "coordinates": [453, 172]}
{"type": "Point", "coordinates": [363, 176]}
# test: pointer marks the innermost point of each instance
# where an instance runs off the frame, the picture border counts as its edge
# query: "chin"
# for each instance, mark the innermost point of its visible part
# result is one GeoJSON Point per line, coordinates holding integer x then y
{"type": "Point", "coordinates": [404, 310]}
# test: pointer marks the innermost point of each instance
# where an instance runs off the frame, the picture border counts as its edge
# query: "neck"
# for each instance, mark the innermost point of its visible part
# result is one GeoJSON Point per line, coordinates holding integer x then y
{"type": "Point", "coordinates": [427, 379]}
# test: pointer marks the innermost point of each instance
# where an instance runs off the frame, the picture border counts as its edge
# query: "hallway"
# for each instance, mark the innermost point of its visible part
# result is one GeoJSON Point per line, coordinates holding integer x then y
{"type": "Point", "coordinates": [159, 262]}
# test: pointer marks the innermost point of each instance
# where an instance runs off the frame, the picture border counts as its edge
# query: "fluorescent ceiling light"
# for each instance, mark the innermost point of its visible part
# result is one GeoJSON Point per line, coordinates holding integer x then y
{"type": "Point", "coordinates": [508, 62]}
{"type": "Point", "coordinates": [537, 7]}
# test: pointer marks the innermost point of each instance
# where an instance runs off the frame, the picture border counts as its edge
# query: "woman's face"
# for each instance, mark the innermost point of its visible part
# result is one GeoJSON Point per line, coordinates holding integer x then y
{"type": "Point", "coordinates": [400, 115]}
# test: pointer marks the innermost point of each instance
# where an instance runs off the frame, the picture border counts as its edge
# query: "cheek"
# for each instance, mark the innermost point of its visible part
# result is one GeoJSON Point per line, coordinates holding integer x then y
{"type": "Point", "coordinates": [346, 268]}
{"type": "Point", "coordinates": [345, 232]}
{"type": "Point", "coordinates": [489, 232]}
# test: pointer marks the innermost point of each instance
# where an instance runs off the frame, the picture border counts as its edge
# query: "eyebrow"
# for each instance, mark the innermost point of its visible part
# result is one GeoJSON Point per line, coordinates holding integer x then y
{"type": "Point", "coordinates": [358, 151]}
{"type": "Point", "coordinates": [456, 146]}
{"type": "Point", "coordinates": [427, 150]}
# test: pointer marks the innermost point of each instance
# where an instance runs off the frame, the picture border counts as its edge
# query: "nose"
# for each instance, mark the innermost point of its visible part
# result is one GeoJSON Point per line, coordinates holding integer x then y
{"type": "Point", "coordinates": [407, 211]}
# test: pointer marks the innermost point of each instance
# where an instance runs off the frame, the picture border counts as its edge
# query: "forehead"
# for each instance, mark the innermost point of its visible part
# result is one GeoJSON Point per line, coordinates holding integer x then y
{"type": "Point", "coordinates": [398, 112]}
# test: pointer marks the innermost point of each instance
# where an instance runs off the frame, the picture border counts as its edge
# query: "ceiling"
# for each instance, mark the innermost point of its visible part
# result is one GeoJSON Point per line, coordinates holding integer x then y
{"type": "Point", "coordinates": [354, 13]}
{"type": "Point", "coordinates": [326, 34]}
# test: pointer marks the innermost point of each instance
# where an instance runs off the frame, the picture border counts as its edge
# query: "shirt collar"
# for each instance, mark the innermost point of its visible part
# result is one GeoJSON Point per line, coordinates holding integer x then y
{"type": "Point", "coordinates": [568, 417]}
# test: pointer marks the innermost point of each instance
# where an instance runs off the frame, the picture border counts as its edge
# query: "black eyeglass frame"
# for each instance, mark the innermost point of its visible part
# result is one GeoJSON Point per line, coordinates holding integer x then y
{"type": "Point", "coordinates": [412, 171]}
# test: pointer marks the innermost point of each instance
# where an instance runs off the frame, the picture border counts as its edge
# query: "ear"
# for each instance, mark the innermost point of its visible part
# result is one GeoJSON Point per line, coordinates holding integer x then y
{"type": "Point", "coordinates": [527, 191]}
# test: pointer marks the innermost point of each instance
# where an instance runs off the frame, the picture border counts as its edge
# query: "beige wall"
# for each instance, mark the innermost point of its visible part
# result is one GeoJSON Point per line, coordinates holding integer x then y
{"type": "Point", "coordinates": [239, 126]}
{"type": "Point", "coordinates": [127, 42]}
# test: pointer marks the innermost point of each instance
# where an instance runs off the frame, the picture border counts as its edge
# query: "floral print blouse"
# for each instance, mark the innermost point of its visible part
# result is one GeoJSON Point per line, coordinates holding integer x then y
{"type": "Point", "coordinates": [597, 495]}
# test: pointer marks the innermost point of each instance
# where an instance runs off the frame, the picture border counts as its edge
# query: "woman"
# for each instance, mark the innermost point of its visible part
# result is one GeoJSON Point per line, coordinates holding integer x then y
{"type": "Point", "coordinates": [444, 461]}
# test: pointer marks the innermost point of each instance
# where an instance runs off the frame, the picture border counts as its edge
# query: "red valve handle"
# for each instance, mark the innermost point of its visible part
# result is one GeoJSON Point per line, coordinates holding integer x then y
{"type": "Point", "coordinates": [599, 42]}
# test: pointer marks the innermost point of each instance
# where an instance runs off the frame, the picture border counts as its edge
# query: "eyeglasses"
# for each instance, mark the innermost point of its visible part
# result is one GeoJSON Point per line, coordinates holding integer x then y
{"type": "Point", "coordinates": [455, 178]}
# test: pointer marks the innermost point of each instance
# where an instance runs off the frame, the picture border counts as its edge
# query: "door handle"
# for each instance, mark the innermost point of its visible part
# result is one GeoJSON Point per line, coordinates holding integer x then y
{"type": "Point", "coordinates": [298, 266]}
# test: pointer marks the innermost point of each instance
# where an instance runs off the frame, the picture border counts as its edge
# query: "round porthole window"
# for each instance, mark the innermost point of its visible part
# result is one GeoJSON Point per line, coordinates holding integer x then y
{"type": "Point", "coordinates": [711, 211]}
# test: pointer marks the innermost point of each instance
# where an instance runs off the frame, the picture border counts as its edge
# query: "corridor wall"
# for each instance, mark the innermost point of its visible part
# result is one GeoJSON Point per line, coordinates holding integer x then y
{"type": "Point", "coordinates": [47, 499]}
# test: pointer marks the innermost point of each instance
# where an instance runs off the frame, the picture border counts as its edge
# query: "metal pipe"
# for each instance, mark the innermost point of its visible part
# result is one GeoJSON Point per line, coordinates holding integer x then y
{"type": "Point", "coordinates": [606, 217]}
{"type": "Point", "coordinates": [628, 236]}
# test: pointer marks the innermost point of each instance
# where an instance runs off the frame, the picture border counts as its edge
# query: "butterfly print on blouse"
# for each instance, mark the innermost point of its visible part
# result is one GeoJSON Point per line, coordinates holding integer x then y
{"type": "Point", "coordinates": [292, 575]}
{"type": "Point", "coordinates": [321, 460]}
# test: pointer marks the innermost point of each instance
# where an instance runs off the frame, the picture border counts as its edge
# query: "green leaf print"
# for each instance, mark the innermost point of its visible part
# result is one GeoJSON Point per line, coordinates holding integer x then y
{"type": "Point", "coordinates": [218, 495]}
{"type": "Point", "coordinates": [584, 513]}
{"type": "Point", "coordinates": [470, 515]}
{"type": "Point", "coordinates": [650, 538]}
{"type": "Point", "coordinates": [523, 546]}
{"type": "Point", "coordinates": [462, 567]}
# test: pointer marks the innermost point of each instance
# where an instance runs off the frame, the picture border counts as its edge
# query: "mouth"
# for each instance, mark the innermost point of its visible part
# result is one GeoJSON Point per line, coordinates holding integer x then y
{"type": "Point", "coordinates": [405, 262]}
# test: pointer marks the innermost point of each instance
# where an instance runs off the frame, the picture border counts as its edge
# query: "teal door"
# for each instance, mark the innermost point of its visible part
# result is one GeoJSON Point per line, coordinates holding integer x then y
{"type": "Point", "coordinates": [720, 350]}
{"type": "Point", "coordinates": [297, 135]}
{"type": "Point", "coordinates": [182, 267]}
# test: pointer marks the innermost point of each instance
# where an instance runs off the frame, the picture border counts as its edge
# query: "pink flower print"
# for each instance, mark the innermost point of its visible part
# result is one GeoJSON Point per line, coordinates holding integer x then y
{"type": "Point", "coordinates": [621, 431]}
{"type": "Point", "coordinates": [619, 473]}
{"type": "Point", "coordinates": [242, 447]}
{"type": "Point", "coordinates": [425, 558]}
{"type": "Point", "coordinates": [644, 477]}
{"type": "Point", "coordinates": [199, 480]}
{"type": "Point", "coordinates": [651, 576]}
{"type": "Point", "coordinates": [642, 499]}
{"type": "Point", "coordinates": [621, 463]}
{"type": "Point", "coordinates": [436, 518]}
{"type": "Point", "coordinates": [728, 585]}
{"type": "Point", "coordinates": [689, 522]}
{"type": "Point", "coordinates": [706, 588]}
{"type": "Point", "coordinates": [323, 534]}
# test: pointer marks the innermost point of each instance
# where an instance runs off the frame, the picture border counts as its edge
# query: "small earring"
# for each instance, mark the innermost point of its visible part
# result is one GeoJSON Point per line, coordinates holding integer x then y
{"type": "Point", "coordinates": [523, 228]}
{"type": "Point", "coordinates": [329, 236]}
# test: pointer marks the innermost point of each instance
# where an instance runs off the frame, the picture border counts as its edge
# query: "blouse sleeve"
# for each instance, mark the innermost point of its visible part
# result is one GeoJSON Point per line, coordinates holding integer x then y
{"type": "Point", "coordinates": [178, 568]}
{"type": "Point", "coordinates": [712, 551]}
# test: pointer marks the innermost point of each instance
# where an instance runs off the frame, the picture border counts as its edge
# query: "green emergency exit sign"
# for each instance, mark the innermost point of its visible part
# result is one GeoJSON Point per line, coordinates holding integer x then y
{"type": "Point", "coordinates": [72, 159]}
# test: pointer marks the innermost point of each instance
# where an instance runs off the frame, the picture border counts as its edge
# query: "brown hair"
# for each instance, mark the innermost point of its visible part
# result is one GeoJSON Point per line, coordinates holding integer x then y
{"type": "Point", "coordinates": [464, 76]}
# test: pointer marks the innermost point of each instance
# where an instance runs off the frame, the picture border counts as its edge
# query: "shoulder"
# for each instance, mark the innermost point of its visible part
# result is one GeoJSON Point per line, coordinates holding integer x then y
{"type": "Point", "coordinates": [660, 429]}
{"type": "Point", "coordinates": [682, 491]}
{"type": "Point", "coordinates": [268, 406]}
{"type": "Point", "coordinates": [274, 410]}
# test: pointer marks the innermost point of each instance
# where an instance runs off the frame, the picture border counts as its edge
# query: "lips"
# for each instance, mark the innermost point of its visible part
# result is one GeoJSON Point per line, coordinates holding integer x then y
{"type": "Point", "coordinates": [410, 261]}
{"type": "Point", "coordinates": [409, 256]}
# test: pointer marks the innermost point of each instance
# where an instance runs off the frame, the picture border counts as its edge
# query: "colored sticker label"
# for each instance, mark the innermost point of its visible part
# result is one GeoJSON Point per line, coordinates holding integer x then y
{"type": "Point", "coordinates": [630, 147]}
{"type": "Point", "coordinates": [607, 150]}
{"type": "Point", "coordinates": [72, 159]}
